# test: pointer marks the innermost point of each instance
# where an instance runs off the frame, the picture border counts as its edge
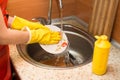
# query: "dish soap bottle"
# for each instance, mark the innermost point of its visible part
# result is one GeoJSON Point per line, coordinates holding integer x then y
{"type": "Point", "coordinates": [100, 55]}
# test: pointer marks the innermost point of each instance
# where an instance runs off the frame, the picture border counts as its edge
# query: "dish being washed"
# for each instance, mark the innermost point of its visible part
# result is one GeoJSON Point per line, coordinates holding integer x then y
{"type": "Point", "coordinates": [56, 48]}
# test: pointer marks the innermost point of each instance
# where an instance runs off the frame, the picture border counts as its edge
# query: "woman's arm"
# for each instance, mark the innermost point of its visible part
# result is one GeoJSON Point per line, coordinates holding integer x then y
{"type": "Point", "coordinates": [9, 36]}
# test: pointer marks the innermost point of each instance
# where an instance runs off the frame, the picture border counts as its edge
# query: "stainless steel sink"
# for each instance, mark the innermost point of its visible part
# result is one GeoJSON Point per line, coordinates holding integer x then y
{"type": "Point", "coordinates": [80, 51]}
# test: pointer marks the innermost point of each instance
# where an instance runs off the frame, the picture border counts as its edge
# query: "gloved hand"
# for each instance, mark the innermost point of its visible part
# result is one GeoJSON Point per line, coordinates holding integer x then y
{"type": "Point", "coordinates": [18, 23]}
{"type": "Point", "coordinates": [44, 36]}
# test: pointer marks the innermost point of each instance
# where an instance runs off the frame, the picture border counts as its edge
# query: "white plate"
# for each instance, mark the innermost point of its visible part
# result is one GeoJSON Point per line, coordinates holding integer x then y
{"type": "Point", "coordinates": [56, 48]}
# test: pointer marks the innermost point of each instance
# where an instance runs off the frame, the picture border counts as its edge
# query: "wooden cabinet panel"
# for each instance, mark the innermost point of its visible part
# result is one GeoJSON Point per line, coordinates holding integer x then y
{"type": "Point", "coordinates": [84, 9]}
{"type": "Point", "coordinates": [116, 28]}
{"type": "Point", "coordinates": [27, 8]}
{"type": "Point", "coordinates": [103, 17]}
{"type": "Point", "coordinates": [38, 8]}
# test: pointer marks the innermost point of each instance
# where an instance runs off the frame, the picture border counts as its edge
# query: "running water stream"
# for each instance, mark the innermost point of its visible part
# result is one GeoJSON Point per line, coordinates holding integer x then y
{"type": "Point", "coordinates": [66, 52]}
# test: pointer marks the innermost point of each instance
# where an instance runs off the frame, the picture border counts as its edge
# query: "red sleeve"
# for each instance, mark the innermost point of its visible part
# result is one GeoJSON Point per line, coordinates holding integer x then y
{"type": "Point", "coordinates": [3, 5]}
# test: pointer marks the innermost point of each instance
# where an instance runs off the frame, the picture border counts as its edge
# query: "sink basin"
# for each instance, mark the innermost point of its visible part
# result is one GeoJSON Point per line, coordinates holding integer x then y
{"type": "Point", "coordinates": [80, 51]}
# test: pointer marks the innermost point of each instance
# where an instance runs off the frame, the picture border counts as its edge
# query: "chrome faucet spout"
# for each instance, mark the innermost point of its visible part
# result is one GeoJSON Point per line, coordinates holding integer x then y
{"type": "Point", "coordinates": [60, 4]}
{"type": "Point", "coordinates": [49, 12]}
{"type": "Point", "coordinates": [48, 21]}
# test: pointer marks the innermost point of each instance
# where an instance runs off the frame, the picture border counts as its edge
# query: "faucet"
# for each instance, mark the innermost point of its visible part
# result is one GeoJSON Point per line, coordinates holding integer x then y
{"type": "Point", "coordinates": [42, 20]}
{"type": "Point", "coordinates": [60, 4]}
{"type": "Point", "coordinates": [49, 12]}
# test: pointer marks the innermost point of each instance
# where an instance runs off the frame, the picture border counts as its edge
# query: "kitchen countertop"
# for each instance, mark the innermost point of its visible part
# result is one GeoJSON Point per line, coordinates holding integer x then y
{"type": "Point", "coordinates": [27, 71]}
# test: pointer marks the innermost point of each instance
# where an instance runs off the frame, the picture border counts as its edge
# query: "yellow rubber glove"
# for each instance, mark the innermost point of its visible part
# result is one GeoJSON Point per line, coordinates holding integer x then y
{"type": "Point", "coordinates": [44, 36]}
{"type": "Point", "coordinates": [18, 23]}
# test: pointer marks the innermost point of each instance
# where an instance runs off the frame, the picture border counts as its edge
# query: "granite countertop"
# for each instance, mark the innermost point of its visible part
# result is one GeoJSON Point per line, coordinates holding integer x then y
{"type": "Point", "coordinates": [27, 71]}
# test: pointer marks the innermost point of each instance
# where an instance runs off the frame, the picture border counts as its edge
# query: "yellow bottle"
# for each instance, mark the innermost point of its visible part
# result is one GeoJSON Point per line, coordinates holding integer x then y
{"type": "Point", "coordinates": [100, 55]}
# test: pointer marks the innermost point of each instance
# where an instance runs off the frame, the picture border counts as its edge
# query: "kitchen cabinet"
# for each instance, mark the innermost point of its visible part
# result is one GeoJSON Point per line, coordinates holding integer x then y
{"type": "Point", "coordinates": [116, 28]}
{"type": "Point", "coordinates": [39, 8]}
{"type": "Point", "coordinates": [103, 17]}
{"type": "Point", "coordinates": [84, 9]}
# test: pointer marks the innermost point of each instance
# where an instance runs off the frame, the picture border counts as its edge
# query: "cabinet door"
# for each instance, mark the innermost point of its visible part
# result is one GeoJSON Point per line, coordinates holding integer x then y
{"type": "Point", "coordinates": [116, 28]}
{"type": "Point", "coordinates": [39, 8]}
{"type": "Point", "coordinates": [103, 17]}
